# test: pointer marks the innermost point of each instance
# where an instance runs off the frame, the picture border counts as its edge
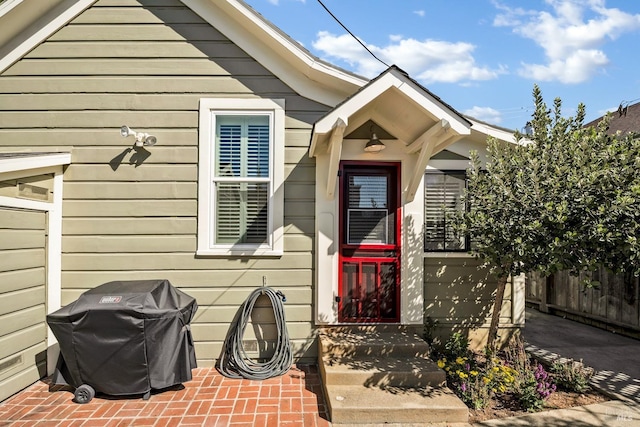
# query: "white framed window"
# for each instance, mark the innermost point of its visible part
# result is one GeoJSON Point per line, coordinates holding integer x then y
{"type": "Point", "coordinates": [443, 191]}
{"type": "Point", "coordinates": [241, 177]}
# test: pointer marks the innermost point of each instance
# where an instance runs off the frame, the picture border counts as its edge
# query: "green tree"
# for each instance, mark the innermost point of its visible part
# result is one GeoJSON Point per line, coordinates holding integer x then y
{"type": "Point", "coordinates": [565, 198]}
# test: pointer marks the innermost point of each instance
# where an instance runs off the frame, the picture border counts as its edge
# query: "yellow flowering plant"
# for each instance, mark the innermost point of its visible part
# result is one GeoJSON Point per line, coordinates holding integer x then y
{"type": "Point", "coordinates": [474, 379]}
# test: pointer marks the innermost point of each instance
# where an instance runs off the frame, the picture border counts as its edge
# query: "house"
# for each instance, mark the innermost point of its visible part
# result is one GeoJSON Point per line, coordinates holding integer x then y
{"type": "Point", "coordinates": [626, 119]}
{"type": "Point", "coordinates": [260, 175]}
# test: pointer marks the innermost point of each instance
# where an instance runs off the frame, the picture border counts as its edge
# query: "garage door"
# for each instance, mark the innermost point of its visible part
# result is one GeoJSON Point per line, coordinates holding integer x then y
{"type": "Point", "coordinates": [23, 331]}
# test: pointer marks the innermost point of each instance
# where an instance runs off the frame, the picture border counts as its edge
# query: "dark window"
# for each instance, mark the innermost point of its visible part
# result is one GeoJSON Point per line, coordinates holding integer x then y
{"type": "Point", "coordinates": [442, 193]}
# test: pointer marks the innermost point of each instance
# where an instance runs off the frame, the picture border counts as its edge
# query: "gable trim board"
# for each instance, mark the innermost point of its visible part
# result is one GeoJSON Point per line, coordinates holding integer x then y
{"type": "Point", "coordinates": [60, 16]}
{"type": "Point", "coordinates": [21, 165]}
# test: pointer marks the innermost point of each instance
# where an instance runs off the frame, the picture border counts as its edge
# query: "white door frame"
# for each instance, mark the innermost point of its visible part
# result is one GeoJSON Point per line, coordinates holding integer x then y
{"type": "Point", "coordinates": [39, 164]}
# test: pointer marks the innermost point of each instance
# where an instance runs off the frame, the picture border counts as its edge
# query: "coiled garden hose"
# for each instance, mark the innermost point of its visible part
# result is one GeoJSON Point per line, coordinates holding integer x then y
{"type": "Point", "coordinates": [234, 361]}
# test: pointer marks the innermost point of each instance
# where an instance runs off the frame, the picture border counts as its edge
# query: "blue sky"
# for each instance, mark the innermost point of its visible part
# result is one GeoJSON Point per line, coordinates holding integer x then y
{"type": "Point", "coordinates": [482, 57]}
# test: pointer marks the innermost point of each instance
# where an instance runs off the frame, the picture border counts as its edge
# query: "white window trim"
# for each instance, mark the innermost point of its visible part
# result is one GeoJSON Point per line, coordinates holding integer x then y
{"type": "Point", "coordinates": [208, 108]}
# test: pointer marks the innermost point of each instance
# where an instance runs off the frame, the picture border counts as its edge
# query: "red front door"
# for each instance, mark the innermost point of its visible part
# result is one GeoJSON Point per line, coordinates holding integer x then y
{"type": "Point", "coordinates": [369, 280]}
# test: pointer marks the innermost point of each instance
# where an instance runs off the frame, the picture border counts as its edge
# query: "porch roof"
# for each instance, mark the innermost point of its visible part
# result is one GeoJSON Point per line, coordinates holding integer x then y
{"type": "Point", "coordinates": [396, 107]}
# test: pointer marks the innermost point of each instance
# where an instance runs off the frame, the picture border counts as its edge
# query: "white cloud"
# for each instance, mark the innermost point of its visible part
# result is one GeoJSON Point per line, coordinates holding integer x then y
{"type": "Point", "coordinates": [420, 13]}
{"type": "Point", "coordinates": [577, 67]}
{"type": "Point", "coordinates": [427, 60]}
{"type": "Point", "coordinates": [485, 114]}
{"type": "Point", "coordinates": [571, 34]}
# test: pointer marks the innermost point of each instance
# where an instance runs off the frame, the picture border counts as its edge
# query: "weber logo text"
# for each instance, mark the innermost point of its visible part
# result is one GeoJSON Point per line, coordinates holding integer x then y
{"type": "Point", "coordinates": [110, 299]}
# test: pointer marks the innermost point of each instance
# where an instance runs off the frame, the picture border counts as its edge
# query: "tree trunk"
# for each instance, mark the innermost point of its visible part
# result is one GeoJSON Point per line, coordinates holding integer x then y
{"type": "Point", "coordinates": [495, 316]}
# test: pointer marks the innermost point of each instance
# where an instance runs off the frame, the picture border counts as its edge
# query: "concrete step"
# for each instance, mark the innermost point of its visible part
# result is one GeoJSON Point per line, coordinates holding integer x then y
{"type": "Point", "coordinates": [382, 371]}
{"type": "Point", "coordinates": [339, 344]}
{"type": "Point", "coordinates": [367, 405]}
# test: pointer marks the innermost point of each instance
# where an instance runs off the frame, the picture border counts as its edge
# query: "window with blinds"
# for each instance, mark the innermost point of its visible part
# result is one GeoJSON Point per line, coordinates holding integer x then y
{"type": "Point", "coordinates": [443, 192]}
{"type": "Point", "coordinates": [241, 179]}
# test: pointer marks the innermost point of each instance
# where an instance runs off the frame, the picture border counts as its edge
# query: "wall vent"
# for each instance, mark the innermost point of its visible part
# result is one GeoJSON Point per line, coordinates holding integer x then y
{"type": "Point", "coordinates": [8, 364]}
{"type": "Point", "coordinates": [29, 191]}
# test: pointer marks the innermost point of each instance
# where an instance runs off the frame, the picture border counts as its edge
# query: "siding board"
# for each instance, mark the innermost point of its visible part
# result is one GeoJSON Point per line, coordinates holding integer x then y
{"type": "Point", "coordinates": [25, 239]}
{"type": "Point", "coordinates": [102, 172]}
{"type": "Point", "coordinates": [160, 154]}
{"type": "Point", "coordinates": [129, 32]}
{"type": "Point", "coordinates": [141, 84]}
{"type": "Point", "coordinates": [125, 190]}
{"type": "Point", "coordinates": [23, 319]}
{"type": "Point", "coordinates": [126, 226]}
{"type": "Point", "coordinates": [21, 340]}
{"type": "Point", "coordinates": [208, 279]}
{"type": "Point", "coordinates": [19, 219]}
{"type": "Point", "coordinates": [208, 351]}
{"type": "Point", "coordinates": [140, 50]}
{"type": "Point", "coordinates": [11, 302]}
{"type": "Point", "coordinates": [138, 15]}
{"type": "Point", "coordinates": [129, 209]}
{"type": "Point", "coordinates": [113, 119]}
{"type": "Point", "coordinates": [128, 67]}
{"type": "Point", "coordinates": [178, 261]}
{"type": "Point", "coordinates": [21, 259]}
{"type": "Point", "coordinates": [213, 331]}
{"type": "Point", "coordinates": [293, 313]}
{"type": "Point", "coordinates": [14, 280]}
{"type": "Point", "coordinates": [128, 244]}
{"type": "Point", "coordinates": [236, 296]}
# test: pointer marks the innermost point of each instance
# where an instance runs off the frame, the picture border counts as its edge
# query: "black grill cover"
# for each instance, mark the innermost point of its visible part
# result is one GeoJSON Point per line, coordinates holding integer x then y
{"type": "Point", "coordinates": [127, 337]}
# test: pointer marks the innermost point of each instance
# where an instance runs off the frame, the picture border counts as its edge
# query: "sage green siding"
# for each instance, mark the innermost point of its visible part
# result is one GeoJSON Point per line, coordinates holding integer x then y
{"type": "Point", "coordinates": [23, 331]}
{"type": "Point", "coordinates": [128, 215]}
{"type": "Point", "coordinates": [459, 295]}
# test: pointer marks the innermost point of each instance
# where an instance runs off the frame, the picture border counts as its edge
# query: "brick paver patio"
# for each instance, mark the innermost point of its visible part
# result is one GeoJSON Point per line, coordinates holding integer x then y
{"type": "Point", "coordinates": [294, 399]}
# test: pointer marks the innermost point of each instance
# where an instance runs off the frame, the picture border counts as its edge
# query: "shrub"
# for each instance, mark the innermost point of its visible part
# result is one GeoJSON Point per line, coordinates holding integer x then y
{"type": "Point", "coordinates": [571, 375]}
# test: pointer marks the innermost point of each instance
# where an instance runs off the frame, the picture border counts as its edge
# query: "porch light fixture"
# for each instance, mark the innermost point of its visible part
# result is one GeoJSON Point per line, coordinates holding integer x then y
{"type": "Point", "coordinates": [374, 145]}
{"type": "Point", "coordinates": [142, 138]}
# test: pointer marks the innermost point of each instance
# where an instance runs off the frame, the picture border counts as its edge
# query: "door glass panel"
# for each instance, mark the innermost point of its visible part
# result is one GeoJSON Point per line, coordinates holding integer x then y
{"type": "Point", "coordinates": [388, 294]}
{"type": "Point", "coordinates": [367, 226]}
{"type": "Point", "coordinates": [368, 216]}
{"type": "Point", "coordinates": [349, 298]}
{"type": "Point", "coordinates": [369, 292]}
